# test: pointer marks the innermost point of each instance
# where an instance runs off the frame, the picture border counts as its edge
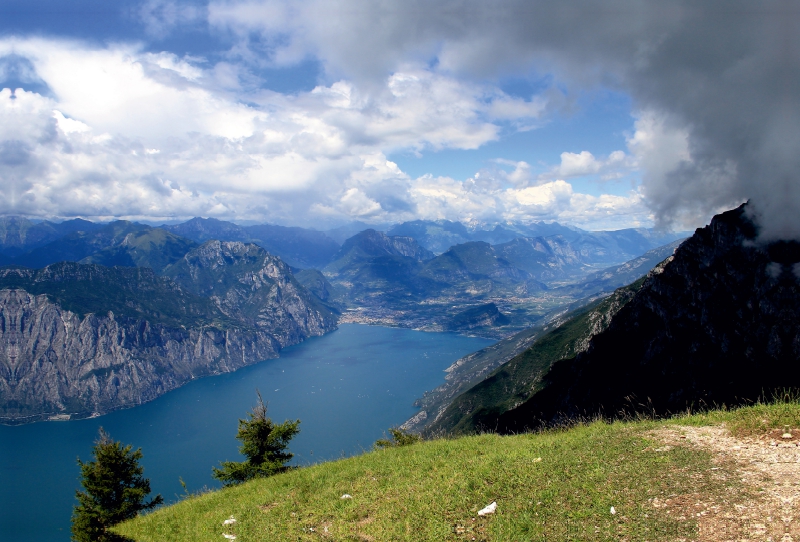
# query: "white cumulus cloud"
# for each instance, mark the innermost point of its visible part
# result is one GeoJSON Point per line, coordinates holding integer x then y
{"type": "Point", "coordinates": [136, 134]}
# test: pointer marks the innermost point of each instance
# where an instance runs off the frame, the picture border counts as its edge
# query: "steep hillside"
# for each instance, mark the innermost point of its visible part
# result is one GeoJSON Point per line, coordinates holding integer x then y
{"type": "Point", "coordinates": [252, 286]}
{"type": "Point", "coordinates": [477, 269]}
{"type": "Point", "coordinates": [55, 364]}
{"type": "Point", "coordinates": [374, 244]}
{"type": "Point", "coordinates": [373, 268]}
{"type": "Point", "coordinates": [78, 340]}
{"type": "Point", "coordinates": [316, 283]}
{"type": "Point", "coordinates": [720, 325]}
{"type": "Point", "coordinates": [465, 373]}
{"type": "Point", "coordinates": [136, 293]}
{"type": "Point", "coordinates": [477, 317]}
{"type": "Point", "coordinates": [478, 408]}
{"type": "Point", "coordinates": [691, 478]}
{"type": "Point", "coordinates": [616, 276]}
{"type": "Point", "coordinates": [545, 258]}
{"type": "Point", "coordinates": [377, 263]}
{"type": "Point", "coordinates": [471, 370]}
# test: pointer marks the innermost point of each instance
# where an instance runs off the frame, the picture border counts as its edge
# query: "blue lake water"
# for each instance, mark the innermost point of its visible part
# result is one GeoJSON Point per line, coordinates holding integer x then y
{"type": "Point", "coordinates": [347, 388]}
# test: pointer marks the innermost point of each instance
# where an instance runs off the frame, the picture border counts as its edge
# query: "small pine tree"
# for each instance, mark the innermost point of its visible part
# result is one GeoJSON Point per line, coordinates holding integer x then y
{"type": "Point", "coordinates": [115, 490]}
{"type": "Point", "coordinates": [399, 438]}
{"type": "Point", "coordinates": [263, 444]}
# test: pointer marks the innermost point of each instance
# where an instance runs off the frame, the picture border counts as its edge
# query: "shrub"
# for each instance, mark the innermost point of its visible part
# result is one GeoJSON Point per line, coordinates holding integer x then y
{"type": "Point", "coordinates": [399, 438]}
{"type": "Point", "coordinates": [115, 490]}
{"type": "Point", "coordinates": [263, 444]}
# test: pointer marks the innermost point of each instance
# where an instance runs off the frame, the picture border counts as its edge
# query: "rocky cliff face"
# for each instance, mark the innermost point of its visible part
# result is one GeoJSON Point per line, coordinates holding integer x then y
{"type": "Point", "coordinates": [719, 325]}
{"type": "Point", "coordinates": [252, 286]}
{"type": "Point", "coordinates": [56, 362]}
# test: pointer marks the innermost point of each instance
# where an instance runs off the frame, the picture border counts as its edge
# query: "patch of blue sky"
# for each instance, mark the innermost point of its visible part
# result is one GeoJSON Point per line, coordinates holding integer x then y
{"type": "Point", "coordinates": [301, 77]}
{"type": "Point", "coordinates": [525, 87]}
{"type": "Point", "coordinates": [18, 72]}
{"type": "Point", "coordinates": [88, 20]}
{"type": "Point", "coordinates": [598, 122]}
{"type": "Point", "coordinates": [101, 21]}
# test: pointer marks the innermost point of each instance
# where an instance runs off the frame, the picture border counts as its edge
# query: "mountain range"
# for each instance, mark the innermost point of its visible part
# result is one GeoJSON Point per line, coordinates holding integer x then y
{"type": "Point", "coordinates": [596, 246]}
{"type": "Point", "coordinates": [717, 323]}
{"type": "Point", "coordinates": [372, 276]}
{"type": "Point", "coordinates": [393, 279]}
{"type": "Point", "coordinates": [307, 248]}
{"type": "Point", "coordinates": [298, 247]}
{"type": "Point", "coordinates": [19, 235]}
{"type": "Point", "coordinates": [129, 311]}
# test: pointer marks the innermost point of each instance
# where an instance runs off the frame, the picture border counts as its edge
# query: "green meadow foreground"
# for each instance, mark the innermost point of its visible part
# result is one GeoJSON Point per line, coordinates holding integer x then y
{"type": "Point", "coordinates": [688, 478]}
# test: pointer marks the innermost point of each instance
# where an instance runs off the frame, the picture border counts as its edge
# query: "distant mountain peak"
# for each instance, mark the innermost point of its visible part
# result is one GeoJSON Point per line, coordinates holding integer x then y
{"type": "Point", "coordinates": [202, 229]}
{"type": "Point", "coordinates": [375, 243]}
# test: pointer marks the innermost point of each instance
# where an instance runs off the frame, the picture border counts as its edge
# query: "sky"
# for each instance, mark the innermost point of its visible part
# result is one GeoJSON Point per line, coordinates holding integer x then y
{"type": "Point", "coordinates": [602, 115]}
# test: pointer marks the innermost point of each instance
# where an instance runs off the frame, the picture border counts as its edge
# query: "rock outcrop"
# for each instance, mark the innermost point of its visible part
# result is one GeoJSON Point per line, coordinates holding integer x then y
{"type": "Point", "coordinates": [62, 356]}
{"type": "Point", "coordinates": [252, 286]}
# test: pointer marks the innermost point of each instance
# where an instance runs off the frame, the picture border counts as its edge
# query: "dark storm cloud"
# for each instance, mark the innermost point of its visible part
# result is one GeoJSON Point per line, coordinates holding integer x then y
{"type": "Point", "coordinates": [725, 72]}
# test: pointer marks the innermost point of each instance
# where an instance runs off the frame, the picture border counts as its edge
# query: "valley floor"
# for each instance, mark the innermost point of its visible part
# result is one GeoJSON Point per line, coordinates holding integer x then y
{"type": "Point", "coordinates": [431, 314]}
{"type": "Point", "coordinates": [725, 475]}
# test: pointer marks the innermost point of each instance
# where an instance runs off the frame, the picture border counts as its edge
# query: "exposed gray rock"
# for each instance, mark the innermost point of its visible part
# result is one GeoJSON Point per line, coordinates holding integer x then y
{"type": "Point", "coordinates": [56, 362]}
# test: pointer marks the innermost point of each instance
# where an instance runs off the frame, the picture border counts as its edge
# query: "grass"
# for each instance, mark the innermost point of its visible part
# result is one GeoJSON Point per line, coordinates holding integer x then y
{"type": "Point", "coordinates": [781, 412]}
{"type": "Point", "coordinates": [557, 485]}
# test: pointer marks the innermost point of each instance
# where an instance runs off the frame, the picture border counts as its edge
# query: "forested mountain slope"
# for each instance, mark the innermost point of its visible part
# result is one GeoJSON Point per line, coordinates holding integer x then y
{"type": "Point", "coordinates": [720, 325]}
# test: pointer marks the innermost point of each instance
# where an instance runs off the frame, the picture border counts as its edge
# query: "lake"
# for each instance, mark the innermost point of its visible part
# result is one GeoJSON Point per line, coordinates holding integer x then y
{"type": "Point", "coordinates": [347, 388]}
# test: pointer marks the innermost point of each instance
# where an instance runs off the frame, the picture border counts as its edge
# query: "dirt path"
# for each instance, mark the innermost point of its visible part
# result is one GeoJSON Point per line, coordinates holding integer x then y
{"type": "Point", "coordinates": [769, 471]}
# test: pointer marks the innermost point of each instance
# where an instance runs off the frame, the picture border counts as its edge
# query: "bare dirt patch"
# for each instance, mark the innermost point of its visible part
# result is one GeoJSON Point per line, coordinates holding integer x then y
{"type": "Point", "coordinates": [768, 468]}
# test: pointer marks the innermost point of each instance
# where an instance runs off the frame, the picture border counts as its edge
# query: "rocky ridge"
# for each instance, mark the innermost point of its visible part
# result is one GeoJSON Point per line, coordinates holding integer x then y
{"type": "Point", "coordinates": [227, 306]}
{"type": "Point", "coordinates": [719, 325]}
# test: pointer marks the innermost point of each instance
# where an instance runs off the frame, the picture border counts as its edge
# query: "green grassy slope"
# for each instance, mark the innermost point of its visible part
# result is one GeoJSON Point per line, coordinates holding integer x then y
{"type": "Point", "coordinates": [512, 383]}
{"type": "Point", "coordinates": [479, 407]}
{"type": "Point", "coordinates": [557, 485]}
{"type": "Point", "coordinates": [468, 371]}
